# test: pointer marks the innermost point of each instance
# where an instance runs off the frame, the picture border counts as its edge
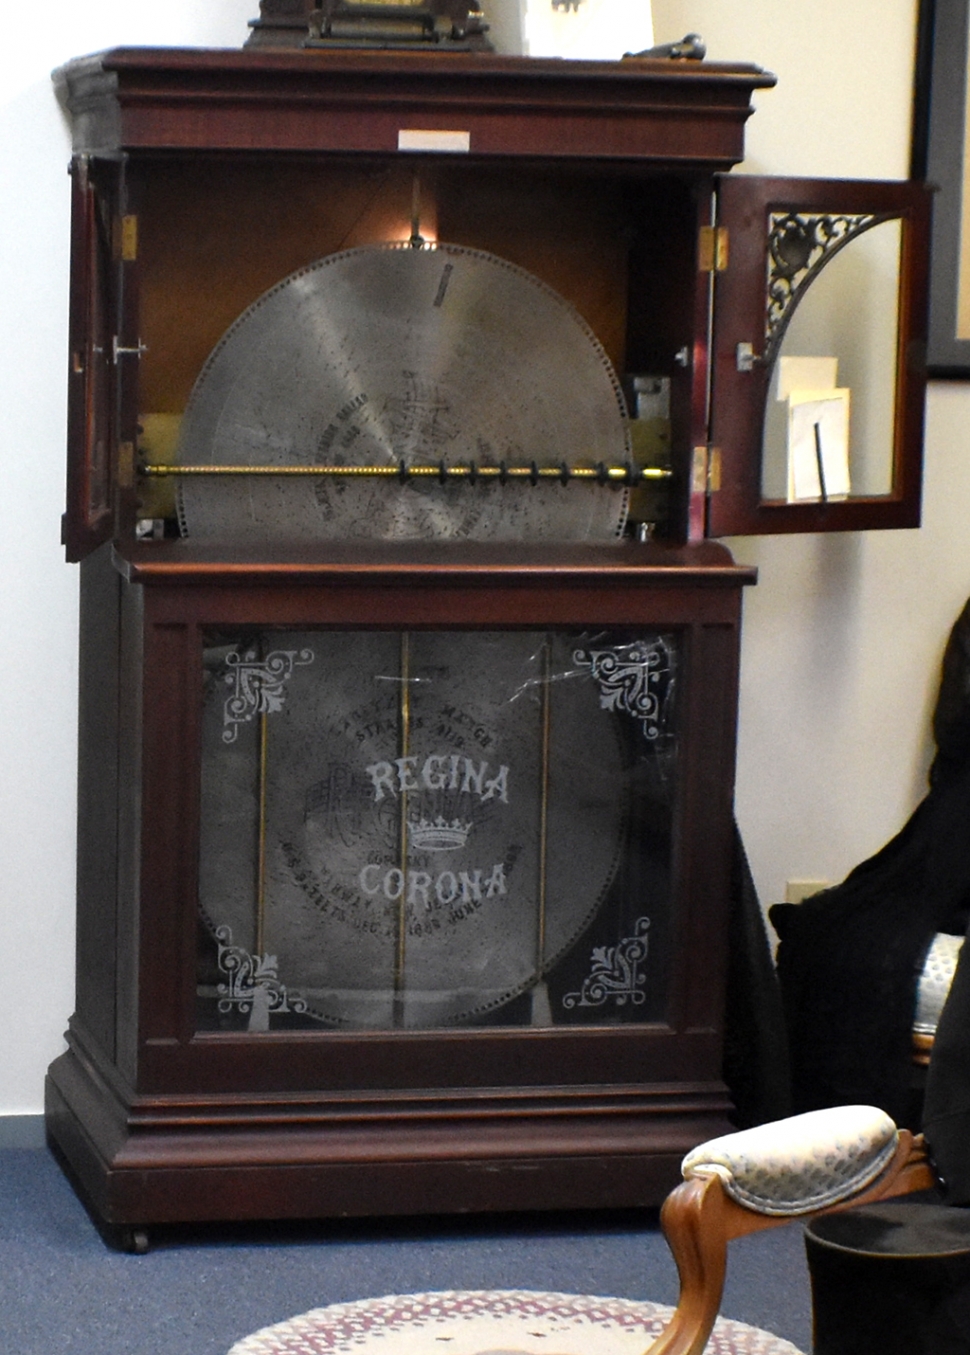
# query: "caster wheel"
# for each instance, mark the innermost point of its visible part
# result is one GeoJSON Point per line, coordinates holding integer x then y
{"type": "Point", "coordinates": [134, 1240]}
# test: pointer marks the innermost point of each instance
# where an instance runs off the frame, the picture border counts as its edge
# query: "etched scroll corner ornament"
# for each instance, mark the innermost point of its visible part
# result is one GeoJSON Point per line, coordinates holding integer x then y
{"type": "Point", "coordinates": [252, 983]}
{"type": "Point", "coordinates": [616, 972]}
{"type": "Point", "coordinates": [629, 678]}
{"type": "Point", "coordinates": [258, 685]}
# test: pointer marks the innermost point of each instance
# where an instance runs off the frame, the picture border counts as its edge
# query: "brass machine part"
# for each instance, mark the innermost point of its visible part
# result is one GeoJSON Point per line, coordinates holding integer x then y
{"type": "Point", "coordinates": [449, 24]}
{"type": "Point", "coordinates": [650, 444]}
{"type": "Point", "coordinates": [600, 474]}
{"type": "Point", "coordinates": [381, 23]}
{"type": "Point", "coordinates": [544, 812]}
{"type": "Point", "coordinates": [158, 436]}
{"type": "Point", "coordinates": [260, 945]}
{"type": "Point", "coordinates": [400, 956]}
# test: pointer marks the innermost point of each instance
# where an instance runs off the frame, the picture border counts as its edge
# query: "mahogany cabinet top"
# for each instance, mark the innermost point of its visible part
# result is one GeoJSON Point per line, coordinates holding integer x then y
{"type": "Point", "coordinates": [689, 115]}
{"type": "Point", "coordinates": [626, 564]}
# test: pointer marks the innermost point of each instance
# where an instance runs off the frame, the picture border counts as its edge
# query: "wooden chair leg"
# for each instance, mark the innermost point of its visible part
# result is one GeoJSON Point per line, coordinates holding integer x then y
{"type": "Point", "coordinates": [697, 1220]}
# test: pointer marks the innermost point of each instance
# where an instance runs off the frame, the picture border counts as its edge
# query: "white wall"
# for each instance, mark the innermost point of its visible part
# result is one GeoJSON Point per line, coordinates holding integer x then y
{"type": "Point", "coordinates": [842, 634]}
{"type": "Point", "coordinates": [38, 592]}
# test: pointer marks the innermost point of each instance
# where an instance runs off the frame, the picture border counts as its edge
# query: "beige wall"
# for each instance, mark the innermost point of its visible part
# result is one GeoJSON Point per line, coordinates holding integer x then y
{"type": "Point", "coordinates": [842, 635]}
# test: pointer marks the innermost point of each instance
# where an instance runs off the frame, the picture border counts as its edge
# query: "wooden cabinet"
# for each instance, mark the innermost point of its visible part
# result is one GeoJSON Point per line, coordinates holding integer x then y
{"type": "Point", "coordinates": [404, 863]}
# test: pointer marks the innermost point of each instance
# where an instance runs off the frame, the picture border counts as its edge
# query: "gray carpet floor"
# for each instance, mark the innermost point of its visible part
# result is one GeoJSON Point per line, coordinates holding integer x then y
{"type": "Point", "coordinates": [62, 1292]}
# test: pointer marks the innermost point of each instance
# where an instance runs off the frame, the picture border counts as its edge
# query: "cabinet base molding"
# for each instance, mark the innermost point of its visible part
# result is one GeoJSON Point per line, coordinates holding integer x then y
{"type": "Point", "coordinates": [182, 1161]}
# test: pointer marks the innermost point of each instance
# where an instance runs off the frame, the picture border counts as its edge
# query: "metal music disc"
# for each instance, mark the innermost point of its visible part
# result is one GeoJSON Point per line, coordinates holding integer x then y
{"type": "Point", "coordinates": [387, 354]}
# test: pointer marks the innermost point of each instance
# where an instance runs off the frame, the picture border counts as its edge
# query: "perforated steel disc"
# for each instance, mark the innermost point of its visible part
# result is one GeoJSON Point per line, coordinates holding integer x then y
{"type": "Point", "coordinates": [386, 354]}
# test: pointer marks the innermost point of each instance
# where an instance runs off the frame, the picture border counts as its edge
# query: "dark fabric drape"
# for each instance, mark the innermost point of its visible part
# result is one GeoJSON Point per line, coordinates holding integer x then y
{"type": "Point", "coordinates": [850, 957]}
{"type": "Point", "coordinates": [755, 1043]}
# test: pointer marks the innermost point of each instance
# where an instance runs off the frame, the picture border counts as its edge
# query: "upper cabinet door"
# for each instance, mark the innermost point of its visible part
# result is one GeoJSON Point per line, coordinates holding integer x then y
{"type": "Point", "coordinates": [818, 364]}
{"type": "Point", "coordinates": [92, 383]}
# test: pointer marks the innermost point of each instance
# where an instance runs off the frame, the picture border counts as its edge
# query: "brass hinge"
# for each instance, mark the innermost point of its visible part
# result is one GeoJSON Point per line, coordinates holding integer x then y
{"type": "Point", "coordinates": [712, 249]}
{"type": "Point", "coordinates": [126, 239]}
{"type": "Point", "coordinates": [705, 477]}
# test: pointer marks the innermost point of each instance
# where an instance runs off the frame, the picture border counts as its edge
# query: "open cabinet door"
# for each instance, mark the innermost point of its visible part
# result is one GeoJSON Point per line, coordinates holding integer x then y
{"type": "Point", "coordinates": [96, 250]}
{"type": "Point", "coordinates": [818, 367]}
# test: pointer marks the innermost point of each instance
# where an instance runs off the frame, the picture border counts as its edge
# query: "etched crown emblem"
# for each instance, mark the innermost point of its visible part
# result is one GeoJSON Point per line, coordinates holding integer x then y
{"type": "Point", "coordinates": [438, 835]}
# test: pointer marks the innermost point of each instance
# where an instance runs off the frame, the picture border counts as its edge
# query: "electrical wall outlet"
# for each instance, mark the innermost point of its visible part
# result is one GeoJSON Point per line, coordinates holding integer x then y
{"type": "Point", "coordinates": [796, 890]}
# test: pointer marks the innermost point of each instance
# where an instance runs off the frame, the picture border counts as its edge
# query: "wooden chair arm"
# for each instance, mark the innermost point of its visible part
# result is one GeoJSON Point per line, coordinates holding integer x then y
{"type": "Point", "coordinates": [699, 1219]}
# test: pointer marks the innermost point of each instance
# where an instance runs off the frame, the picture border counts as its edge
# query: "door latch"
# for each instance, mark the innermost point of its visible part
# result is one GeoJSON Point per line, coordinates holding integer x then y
{"type": "Point", "coordinates": [119, 350]}
{"type": "Point", "coordinates": [747, 359]}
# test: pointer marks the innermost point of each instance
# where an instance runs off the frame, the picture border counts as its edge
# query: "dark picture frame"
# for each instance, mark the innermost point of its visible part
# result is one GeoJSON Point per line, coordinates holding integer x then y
{"type": "Point", "coordinates": [941, 155]}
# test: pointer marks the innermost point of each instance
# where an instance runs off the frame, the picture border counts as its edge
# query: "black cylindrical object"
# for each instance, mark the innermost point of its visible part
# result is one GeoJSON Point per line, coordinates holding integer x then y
{"type": "Point", "coordinates": [891, 1279]}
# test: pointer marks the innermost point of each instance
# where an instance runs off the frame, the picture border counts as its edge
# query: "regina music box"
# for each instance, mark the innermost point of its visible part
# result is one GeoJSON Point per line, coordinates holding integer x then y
{"type": "Point", "coordinates": [406, 387]}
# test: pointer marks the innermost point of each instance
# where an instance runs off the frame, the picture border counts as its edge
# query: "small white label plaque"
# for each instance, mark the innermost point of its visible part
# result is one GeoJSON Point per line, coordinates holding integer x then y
{"type": "Point", "coordinates": [419, 139]}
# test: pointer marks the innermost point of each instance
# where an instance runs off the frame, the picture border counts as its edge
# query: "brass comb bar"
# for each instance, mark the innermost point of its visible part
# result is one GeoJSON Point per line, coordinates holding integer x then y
{"type": "Point", "coordinates": [601, 473]}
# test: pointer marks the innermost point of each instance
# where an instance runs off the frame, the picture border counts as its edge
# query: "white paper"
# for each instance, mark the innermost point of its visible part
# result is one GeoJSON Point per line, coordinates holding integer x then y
{"type": "Point", "coordinates": [818, 432]}
{"type": "Point", "coordinates": [806, 374]}
{"type": "Point", "coordinates": [592, 30]}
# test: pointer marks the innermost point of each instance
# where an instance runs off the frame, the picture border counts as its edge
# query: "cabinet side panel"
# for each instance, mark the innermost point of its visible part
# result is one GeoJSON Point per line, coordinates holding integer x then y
{"type": "Point", "coordinates": [130, 666]}
{"type": "Point", "coordinates": [97, 854]}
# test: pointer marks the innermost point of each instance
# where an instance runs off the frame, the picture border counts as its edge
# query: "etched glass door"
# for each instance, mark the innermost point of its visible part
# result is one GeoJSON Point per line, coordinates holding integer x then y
{"type": "Point", "coordinates": [435, 828]}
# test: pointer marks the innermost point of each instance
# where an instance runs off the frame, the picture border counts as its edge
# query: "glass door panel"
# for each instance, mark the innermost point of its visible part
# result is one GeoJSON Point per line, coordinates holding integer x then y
{"type": "Point", "coordinates": [828, 431]}
{"type": "Point", "coordinates": [432, 829]}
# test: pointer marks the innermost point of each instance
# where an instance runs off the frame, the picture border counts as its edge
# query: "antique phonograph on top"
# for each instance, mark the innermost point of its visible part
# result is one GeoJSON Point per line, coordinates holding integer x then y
{"type": "Point", "coordinates": [406, 387]}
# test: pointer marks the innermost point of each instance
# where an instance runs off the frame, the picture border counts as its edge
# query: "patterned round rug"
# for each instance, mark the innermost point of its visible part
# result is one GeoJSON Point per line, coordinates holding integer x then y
{"type": "Point", "coordinates": [492, 1322]}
